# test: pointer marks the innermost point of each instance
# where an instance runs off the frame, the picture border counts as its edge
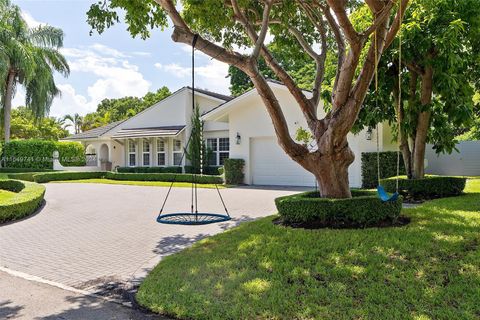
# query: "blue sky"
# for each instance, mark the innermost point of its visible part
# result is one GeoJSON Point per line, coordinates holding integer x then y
{"type": "Point", "coordinates": [114, 64]}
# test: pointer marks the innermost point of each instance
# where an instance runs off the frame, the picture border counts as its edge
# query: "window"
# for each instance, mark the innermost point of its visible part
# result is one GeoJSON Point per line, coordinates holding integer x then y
{"type": "Point", "coordinates": [161, 152]}
{"type": "Point", "coordinates": [177, 152]}
{"type": "Point", "coordinates": [132, 153]}
{"type": "Point", "coordinates": [219, 149]}
{"type": "Point", "coordinates": [146, 153]}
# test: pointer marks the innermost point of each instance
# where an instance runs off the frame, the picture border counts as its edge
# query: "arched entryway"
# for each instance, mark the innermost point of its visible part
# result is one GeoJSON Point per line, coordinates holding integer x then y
{"type": "Point", "coordinates": [104, 157]}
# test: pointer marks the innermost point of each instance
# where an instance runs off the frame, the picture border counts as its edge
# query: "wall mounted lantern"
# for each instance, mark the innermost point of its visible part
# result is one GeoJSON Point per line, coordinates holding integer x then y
{"type": "Point", "coordinates": [238, 138]}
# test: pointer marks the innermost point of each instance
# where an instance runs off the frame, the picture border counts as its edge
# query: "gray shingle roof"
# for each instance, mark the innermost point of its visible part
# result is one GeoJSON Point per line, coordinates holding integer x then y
{"type": "Point", "coordinates": [94, 133]}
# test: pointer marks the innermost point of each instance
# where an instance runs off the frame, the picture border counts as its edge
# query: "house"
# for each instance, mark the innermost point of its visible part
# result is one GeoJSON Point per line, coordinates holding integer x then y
{"type": "Point", "coordinates": [233, 128]}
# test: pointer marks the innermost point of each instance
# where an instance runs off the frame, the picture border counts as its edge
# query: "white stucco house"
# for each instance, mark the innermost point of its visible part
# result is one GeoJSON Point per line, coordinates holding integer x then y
{"type": "Point", "coordinates": [234, 128]}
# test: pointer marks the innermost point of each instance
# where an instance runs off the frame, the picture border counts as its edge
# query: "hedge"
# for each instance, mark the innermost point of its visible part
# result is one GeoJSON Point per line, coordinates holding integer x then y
{"type": "Point", "coordinates": [388, 167]}
{"type": "Point", "coordinates": [428, 187]}
{"type": "Point", "coordinates": [28, 199]}
{"type": "Point", "coordinates": [233, 169]}
{"type": "Point", "coordinates": [211, 170]}
{"type": "Point", "coordinates": [167, 177]}
{"type": "Point", "coordinates": [23, 170]}
{"type": "Point", "coordinates": [364, 209]}
{"type": "Point", "coordinates": [66, 175]}
{"type": "Point", "coordinates": [175, 169]}
{"type": "Point", "coordinates": [38, 154]}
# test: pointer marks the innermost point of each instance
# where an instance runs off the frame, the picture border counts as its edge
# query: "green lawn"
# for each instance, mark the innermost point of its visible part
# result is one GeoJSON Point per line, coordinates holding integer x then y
{"type": "Point", "coordinates": [429, 269]}
{"type": "Point", "coordinates": [140, 183]}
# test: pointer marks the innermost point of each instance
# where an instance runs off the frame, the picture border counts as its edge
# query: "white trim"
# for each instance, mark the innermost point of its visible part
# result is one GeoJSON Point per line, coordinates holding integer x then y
{"type": "Point", "coordinates": [149, 153]}
{"type": "Point", "coordinates": [164, 152]}
{"type": "Point", "coordinates": [129, 153]}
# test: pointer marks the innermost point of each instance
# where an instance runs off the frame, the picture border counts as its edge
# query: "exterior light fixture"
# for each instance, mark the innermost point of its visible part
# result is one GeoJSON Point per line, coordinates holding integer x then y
{"type": "Point", "coordinates": [238, 138]}
{"type": "Point", "coordinates": [369, 133]}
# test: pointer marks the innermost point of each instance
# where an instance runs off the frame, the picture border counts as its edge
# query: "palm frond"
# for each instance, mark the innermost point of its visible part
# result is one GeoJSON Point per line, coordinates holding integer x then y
{"type": "Point", "coordinates": [46, 36]}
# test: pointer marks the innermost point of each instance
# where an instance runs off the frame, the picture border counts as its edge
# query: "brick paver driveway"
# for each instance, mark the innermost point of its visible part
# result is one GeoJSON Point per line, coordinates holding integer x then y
{"type": "Point", "coordinates": [92, 233]}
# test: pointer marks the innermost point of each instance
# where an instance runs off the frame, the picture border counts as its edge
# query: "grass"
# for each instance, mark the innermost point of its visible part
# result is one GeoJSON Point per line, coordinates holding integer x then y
{"type": "Point", "coordinates": [429, 269]}
{"type": "Point", "coordinates": [141, 183]}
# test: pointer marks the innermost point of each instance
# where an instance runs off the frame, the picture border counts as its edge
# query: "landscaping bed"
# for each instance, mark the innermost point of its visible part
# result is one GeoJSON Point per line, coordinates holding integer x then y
{"type": "Point", "coordinates": [430, 187]}
{"type": "Point", "coordinates": [27, 198]}
{"type": "Point", "coordinates": [364, 209]}
{"type": "Point", "coordinates": [426, 270]}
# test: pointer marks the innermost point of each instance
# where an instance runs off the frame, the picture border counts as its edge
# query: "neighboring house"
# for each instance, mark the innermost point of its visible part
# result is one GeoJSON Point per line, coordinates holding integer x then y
{"type": "Point", "coordinates": [234, 127]}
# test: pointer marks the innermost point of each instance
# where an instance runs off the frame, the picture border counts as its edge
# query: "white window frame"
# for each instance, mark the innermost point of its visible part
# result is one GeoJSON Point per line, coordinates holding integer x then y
{"type": "Point", "coordinates": [216, 153]}
{"type": "Point", "coordinates": [180, 151]}
{"type": "Point", "coordinates": [160, 152]}
{"type": "Point", "coordinates": [149, 144]}
{"type": "Point", "coordinates": [134, 152]}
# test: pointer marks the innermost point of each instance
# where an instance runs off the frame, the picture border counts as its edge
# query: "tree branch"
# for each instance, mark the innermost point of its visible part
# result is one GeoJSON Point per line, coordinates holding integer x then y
{"type": "Point", "coordinates": [397, 22]}
{"type": "Point", "coordinates": [263, 31]}
{"type": "Point", "coordinates": [349, 31]}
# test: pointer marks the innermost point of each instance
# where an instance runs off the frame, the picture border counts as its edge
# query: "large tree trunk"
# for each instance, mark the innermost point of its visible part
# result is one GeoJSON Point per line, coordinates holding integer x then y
{"type": "Point", "coordinates": [329, 164]}
{"type": "Point", "coordinates": [423, 124]}
{"type": "Point", "coordinates": [7, 108]}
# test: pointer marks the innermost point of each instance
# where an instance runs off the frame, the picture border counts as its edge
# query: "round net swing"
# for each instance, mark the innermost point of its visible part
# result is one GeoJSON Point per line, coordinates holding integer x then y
{"type": "Point", "coordinates": [193, 217]}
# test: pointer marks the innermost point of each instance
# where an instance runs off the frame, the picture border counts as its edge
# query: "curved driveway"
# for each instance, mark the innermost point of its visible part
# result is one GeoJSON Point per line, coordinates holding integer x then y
{"type": "Point", "coordinates": [91, 234]}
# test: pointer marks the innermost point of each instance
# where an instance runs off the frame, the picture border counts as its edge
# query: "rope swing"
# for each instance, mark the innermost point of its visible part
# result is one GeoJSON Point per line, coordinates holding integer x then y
{"type": "Point", "coordinates": [382, 193]}
{"type": "Point", "coordinates": [193, 217]}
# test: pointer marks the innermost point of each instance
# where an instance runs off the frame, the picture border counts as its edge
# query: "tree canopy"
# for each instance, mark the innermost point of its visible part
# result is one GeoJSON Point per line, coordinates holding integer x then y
{"type": "Point", "coordinates": [221, 27]}
{"type": "Point", "coordinates": [28, 57]}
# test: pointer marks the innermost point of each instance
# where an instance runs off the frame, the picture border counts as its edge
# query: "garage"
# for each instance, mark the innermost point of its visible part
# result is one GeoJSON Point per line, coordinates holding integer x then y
{"type": "Point", "coordinates": [271, 166]}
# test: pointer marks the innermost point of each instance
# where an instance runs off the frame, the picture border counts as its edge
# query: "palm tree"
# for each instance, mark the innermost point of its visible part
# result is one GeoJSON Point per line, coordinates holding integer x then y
{"type": "Point", "coordinates": [28, 57]}
{"type": "Point", "coordinates": [76, 121]}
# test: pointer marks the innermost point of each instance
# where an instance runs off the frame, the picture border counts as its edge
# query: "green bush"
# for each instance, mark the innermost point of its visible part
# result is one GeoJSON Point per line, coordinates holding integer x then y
{"type": "Point", "coordinates": [29, 197]}
{"type": "Point", "coordinates": [23, 170]}
{"type": "Point", "coordinates": [211, 170]}
{"type": "Point", "coordinates": [233, 169]}
{"type": "Point", "coordinates": [25, 176]}
{"type": "Point", "coordinates": [428, 187]}
{"type": "Point", "coordinates": [364, 209]}
{"type": "Point", "coordinates": [174, 169]}
{"type": "Point", "coordinates": [38, 154]}
{"type": "Point", "coordinates": [66, 175]}
{"type": "Point", "coordinates": [388, 167]}
{"type": "Point", "coordinates": [167, 177]}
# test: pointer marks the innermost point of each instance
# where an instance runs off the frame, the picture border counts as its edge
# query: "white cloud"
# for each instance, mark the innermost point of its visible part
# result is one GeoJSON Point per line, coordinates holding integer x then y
{"type": "Point", "coordinates": [31, 21]}
{"type": "Point", "coordinates": [102, 49]}
{"type": "Point", "coordinates": [211, 76]}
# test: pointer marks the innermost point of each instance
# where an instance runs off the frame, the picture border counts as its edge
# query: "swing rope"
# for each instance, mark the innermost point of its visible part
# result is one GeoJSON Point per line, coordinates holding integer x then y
{"type": "Point", "coordinates": [381, 191]}
{"type": "Point", "coordinates": [194, 217]}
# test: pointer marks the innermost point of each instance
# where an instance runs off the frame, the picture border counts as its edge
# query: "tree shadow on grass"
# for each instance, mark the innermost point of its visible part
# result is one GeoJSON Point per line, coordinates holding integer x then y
{"type": "Point", "coordinates": [8, 310]}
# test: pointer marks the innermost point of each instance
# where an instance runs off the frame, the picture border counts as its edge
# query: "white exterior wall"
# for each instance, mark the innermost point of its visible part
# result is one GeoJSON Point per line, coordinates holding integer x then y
{"type": "Point", "coordinates": [250, 119]}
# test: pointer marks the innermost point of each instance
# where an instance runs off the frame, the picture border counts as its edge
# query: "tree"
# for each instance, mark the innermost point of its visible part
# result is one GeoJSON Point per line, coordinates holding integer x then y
{"type": "Point", "coordinates": [75, 120]}
{"type": "Point", "coordinates": [222, 24]}
{"type": "Point", "coordinates": [197, 151]}
{"type": "Point", "coordinates": [29, 58]}
{"type": "Point", "coordinates": [25, 125]}
{"type": "Point", "coordinates": [439, 71]}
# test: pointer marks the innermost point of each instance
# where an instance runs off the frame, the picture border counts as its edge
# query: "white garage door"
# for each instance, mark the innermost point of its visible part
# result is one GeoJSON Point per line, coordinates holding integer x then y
{"type": "Point", "coordinates": [271, 166]}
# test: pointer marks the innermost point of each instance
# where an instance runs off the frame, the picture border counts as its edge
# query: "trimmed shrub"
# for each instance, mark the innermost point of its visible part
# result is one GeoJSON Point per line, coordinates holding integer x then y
{"type": "Point", "coordinates": [428, 187]}
{"type": "Point", "coordinates": [37, 154]}
{"type": "Point", "coordinates": [388, 167]}
{"type": "Point", "coordinates": [172, 169]}
{"type": "Point", "coordinates": [364, 209]}
{"type": "Point", "coordinates": [25, 176]}
{"type": "Point", "coordinates": [23, 170]}
{"type": "Point", "coordinates": [211, 170]}
{"type": "Point", "coordinates": [167, 177]}
{"type": "Point", "coordinates": [29, 197]}
{"type": "Point", "coordinates": [233, 169]}
{"type": "Point", "coordinates": [66, 175]}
